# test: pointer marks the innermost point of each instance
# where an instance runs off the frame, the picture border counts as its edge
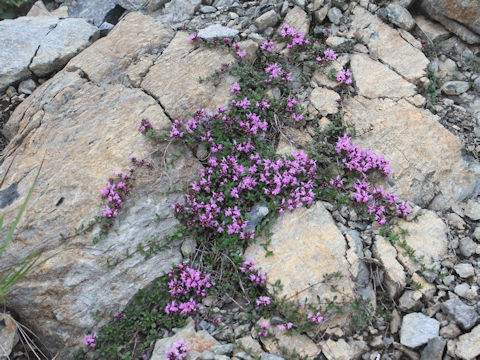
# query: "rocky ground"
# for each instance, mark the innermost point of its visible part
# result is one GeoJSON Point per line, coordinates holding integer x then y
{"type": "Point", "coordinates": [79, 84]}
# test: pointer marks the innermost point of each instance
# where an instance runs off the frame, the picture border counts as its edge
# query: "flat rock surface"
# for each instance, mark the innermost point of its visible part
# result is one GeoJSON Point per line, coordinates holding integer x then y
{"type": "Point", "coordinates": [306, 245]}
{"type": "Point", "coordinates": [388, 45]}
{"type": "Point", "coordinates": [302, 344]}
{"type": "Point", "coordinates": [108, 58]}
{"type": "Point", "coordinates": [8, 334]}
{"type": "Point", "coordinates": [373, 79]}
{"type": "Point", "coordinates": [465, 316]}
{"type": "Point", "coordinates": [298, 19]}
{"type": "Point", "coordinates": [426, 159]}
{"type": "Point", "coordinates": [19, 40]}
{"type": "Point", "coordinates": [427, 235]}
{"type": "Point", "coordinates": [67, 39]}
{"type": "Point", "coordinates": [173, 79]}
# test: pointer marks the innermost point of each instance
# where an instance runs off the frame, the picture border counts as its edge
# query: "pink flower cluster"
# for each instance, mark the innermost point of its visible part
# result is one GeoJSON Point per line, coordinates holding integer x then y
{"type": "Point", "coordinates": [290, 108]}
{"type": "Point", "coordinates": [115, 193]}
{"type": "Point", "coordinates": [241, 53]}
{"type": "Point", "coordinates": [268, 46]}
{"type": "Point", "coordinates": [175, 132]}
{"type": "Point", "coordinates": [297, 37]}
{"type": "Point", "coordinates": [361, 160]}
{"type": "Point", "coordinates": [235, 88]}
{"type": "Point", "coordinates": [89, 340]}
{"type": "Point", "coordinates": [274, 71]}
{"type": "Point", "coordinates": [263, 301]}
{"type": "Point", "coordinates": [144, 125]}
{"type": "Point", "coordinates": [253, 274]}
{"type": "Point", "coordinates": [241, 171]}
{"type": "Point", "coordinates": [379, 200]}
{"type": "Point", "coordinates": [186, 282]}
{"type": "Point", "coordinates": [264, 327]}
{"type": "Point", "coordinates": [315, 318]}
{"type": "Point", "coordinates": [117, 190]}
{"type": "Point", "coordinates": [179, 351]}
{"type": "Point", "coordinates": [286, 326]}
{"type": "Point", "coordinates": [329, 55]}
{"type": "Point", "coordinates": [193, 37]}
{"type": "Point", "coordinates": [344, 77]}
{"type": "Point", "coordinates": [337, 182]}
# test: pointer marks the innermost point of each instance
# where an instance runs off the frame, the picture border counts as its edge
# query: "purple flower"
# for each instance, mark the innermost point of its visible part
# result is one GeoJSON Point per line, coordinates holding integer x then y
{"type": "Point", "coordinates": [120, 315]}
{"type": "Point", "coordinates": [297, 117]}
{"type": "Point", "coordinates": [263, 301]}
{"type": "Point", "coordinates": [235, 87]}
{"type": "Point", "coordinates": [344, 77]}
{"type": "Point", "coordinates": [274, 71]}
{"type": "Point", "coordinates": [264, 329]}
{"type": "Point", "coordinates": [89, 340]}
{"type": "Point", "coordinates": [284, 327]}
{"type": "Point", "coordinates": [192, 37]}
{"type": "Point", "coordinates": [317, 318]}
{"type": "Point", "coordinates": [330, 54]}
{"type": "Point", "coordinates": [241, 53]}
{"type": "Point", "coordinates": [268, 46]}
{"type": "Point", "coordinates": [179, 351]}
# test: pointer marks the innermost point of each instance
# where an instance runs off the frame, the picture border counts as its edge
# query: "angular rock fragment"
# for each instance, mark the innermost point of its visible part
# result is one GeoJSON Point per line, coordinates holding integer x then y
{"type": "Point", "coordinates": [465, 316]}
{"type": "Point", "coordinates": [417, 329]}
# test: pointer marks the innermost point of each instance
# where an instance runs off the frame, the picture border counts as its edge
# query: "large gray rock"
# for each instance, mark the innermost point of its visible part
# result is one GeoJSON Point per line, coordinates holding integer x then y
{"type": "Point", "coordinates": [268, 19]}
{"type": "Point", "coordinates": [93, 10]}
{"type": "Point", "coordinates": [374, 79]}
{"type": "Point", "coordinates": [459, 16]}
{"type": "Point", "coordinates": [40, 44]}
{"type": "Point", "coordinates": [464, 270]}
{"type": "Point", "coordinates": [334, 15]}
{"type": "Point", "coordinates": [19, 41]}
{"type": "Point", "coordinates": [39, 9]}
{"type": "Point", "coordinates": [455, 87]}
{"type": "Point", "coordinates": [66, 40]}
{"type": "Point", "coordinates": [388, 45]}
{"type": "Point", "coordinates": [84, 119]}
{"type": "Point", "coordinates": [433, 30]}
{"type": "Point", "coordinates": [465, 316]}
{"type": "Point", "coordinates": [417, 329]}
{"type": "Point", "coordinates": [427, 235]}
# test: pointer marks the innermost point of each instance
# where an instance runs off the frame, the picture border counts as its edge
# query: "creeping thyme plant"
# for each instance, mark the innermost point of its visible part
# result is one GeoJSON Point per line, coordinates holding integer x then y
{"type": "Point", "coordinates": [241, 170]}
